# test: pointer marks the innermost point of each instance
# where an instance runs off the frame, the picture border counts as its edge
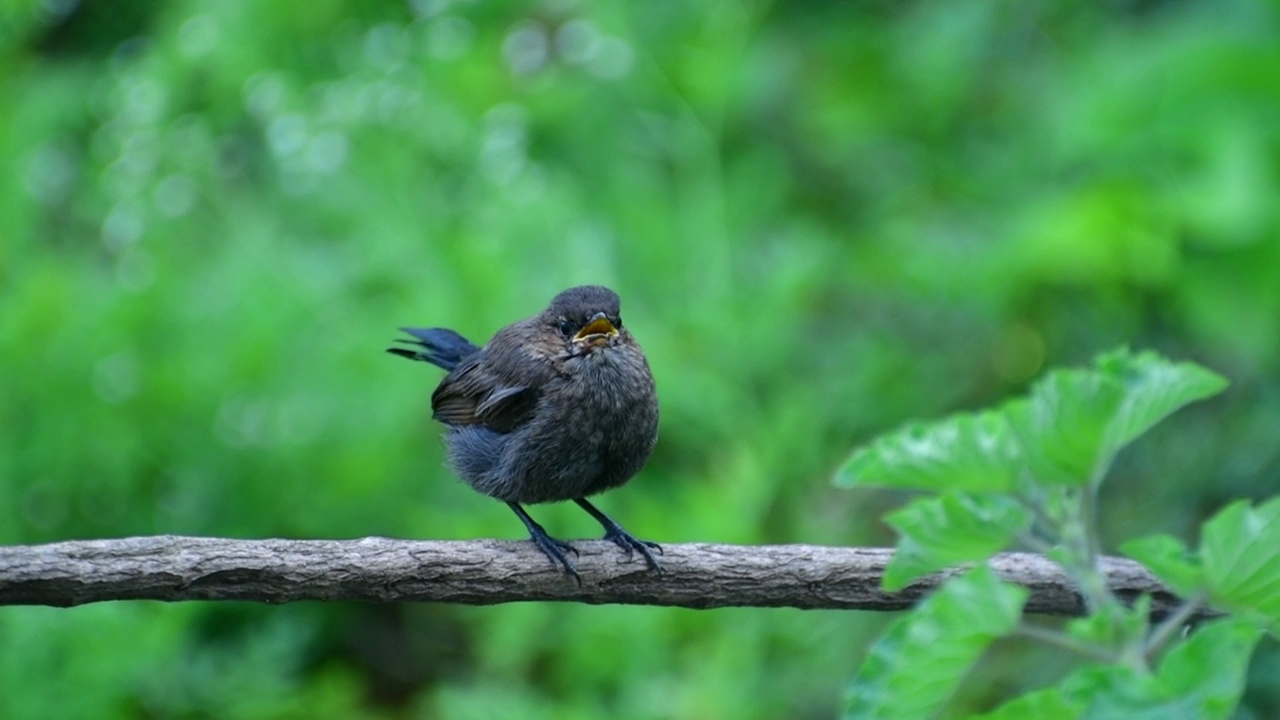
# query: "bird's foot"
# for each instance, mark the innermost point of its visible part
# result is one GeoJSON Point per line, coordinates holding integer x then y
{"type": "Point", "coordinates": [614, 533]}
{"type": "Point", "coordinates": [630, 543]}
{"type": "Point", "coordinates": [556, 551]}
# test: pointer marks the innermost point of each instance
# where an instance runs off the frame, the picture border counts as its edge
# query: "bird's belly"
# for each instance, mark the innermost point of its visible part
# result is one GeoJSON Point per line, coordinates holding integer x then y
{"type": "Point", "coordinates": [584, 450]}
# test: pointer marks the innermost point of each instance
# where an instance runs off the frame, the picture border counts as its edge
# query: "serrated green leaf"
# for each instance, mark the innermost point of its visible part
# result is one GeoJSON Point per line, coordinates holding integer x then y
{"type": "Point", "coordinates": [1046, 704]}
{"type": "Point", "coordinates": [1170, 560]}
{"type": "Point", "coordinates": [975, 453]}
{"type": "Point", "coordinates": [1075, 421]}
{"type": "Point", "coordinates": [1240, 553]}
{"type": "Point", "coordinates": [948, 530]}
{"type": "Point", "coordinates": [1202, 678]}
{"type": "Point", "coordinates": [1154, 387]}
{"type": "Point", "coordinates": [913, 669]}
{"type": "Point", "coordinates": [1069, 428]}
{"type": "Point", "coordinates": [1062, 426]}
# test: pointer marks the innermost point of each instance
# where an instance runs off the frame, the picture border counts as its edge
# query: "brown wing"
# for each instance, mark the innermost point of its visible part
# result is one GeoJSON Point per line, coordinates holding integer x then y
{"type": "Point", "coordinates": [476, 393]}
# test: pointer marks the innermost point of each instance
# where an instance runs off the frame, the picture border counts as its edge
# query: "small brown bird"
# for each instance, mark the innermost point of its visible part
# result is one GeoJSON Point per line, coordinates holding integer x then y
{"type": "Point", "coordinates": [559, 406]}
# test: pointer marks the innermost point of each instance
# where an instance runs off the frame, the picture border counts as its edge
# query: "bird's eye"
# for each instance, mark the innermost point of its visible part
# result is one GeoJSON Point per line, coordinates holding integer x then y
{"type": "Point", "coordinates": [617, 322]}
{"type": "Point", "coordinates": [566, 328]}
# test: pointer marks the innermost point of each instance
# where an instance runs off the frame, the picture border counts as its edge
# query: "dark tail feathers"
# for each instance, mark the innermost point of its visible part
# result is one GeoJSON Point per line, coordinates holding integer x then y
{"type": "Point", "coordinates": [438, 346]}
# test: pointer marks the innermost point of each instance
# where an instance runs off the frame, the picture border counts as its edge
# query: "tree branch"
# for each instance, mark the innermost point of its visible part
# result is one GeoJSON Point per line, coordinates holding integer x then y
{"type": "Point", "coordinates": [483, 572]}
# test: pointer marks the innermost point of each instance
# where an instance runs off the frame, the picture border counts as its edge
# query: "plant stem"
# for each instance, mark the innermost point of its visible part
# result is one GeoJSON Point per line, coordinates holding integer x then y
{"type": "Point", "coordinates": [1089, 521]}
{"type": "Point", "coordinates": [1171, 624]}
{"type": "Point", "coordinates": [1087, 549]}
{"type": "Point", "coordinates": [1035, 543]}
{"type": "Point", "coordinates": [1063, 640]}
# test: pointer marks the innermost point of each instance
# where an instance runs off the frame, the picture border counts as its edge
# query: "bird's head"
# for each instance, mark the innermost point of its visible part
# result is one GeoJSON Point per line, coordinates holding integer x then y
{"type": "Point", "coordinates": [585, 318]}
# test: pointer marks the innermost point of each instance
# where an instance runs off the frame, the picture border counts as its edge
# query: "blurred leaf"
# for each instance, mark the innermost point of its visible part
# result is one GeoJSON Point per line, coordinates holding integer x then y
{"type": "Point", "coordinates": [950, 529]}
{"type": "Point", "coordinates": [1200, 678]}
{"type": "Point", "coordinates": [1062, 425]}
{"type": "Point", "coordinates": [966, 452]}
{"type": "Point", "coordinates": [1075, 420]}
{"type": "Point", "coordinates": [1046, 704]}
{"type": "Point", "coordinates": [1154, 388]}
{"type": "Point", "coordinates": [1207, 671]}
{"type": "Point", "coordinates": [1240, 551]}
{"type": "Point", "coordinates": [913, 669]}
{"type": "Point", "coordinates": [1170, 560]}
{"type": "Point", "coordinates": [1068, 429]}
{"type": "Point", "coordinates": [1114, 626]}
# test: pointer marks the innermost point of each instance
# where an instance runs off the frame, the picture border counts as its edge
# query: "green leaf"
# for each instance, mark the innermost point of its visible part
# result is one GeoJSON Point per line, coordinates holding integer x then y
{"type": "Point", "coordinates": [1154, 388]}
{"type": "Point", "coordinates": [1076, 420]}
{"type": "Point", "coordinates": [1046, 704]}
{"type": "Point", "coordinates": [913, 669]}
{"type": "Point", "coordinates": [1207, 672]}
{"type": "Point", "coordinates": [1113, 626]}
{"type": "Point", "coordinates": [1202, 678]}
{"type": "Point", "coordinates": [1062, 426]}
{"type": "Point", "coordinates": [1065, 432]}
{"type": "Point", "coordinates": [948, 530]}
{"type": "Point", "coordinates": [968, 452]}
{"type": "Point", "coordinates": [1240, 552]}
{"type": "Point", "coordinates": [1170, 560]}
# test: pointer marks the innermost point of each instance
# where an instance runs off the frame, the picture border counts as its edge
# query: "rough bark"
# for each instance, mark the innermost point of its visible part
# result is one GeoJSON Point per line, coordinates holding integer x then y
{"type": "Point", "coordinates": [484, 572]}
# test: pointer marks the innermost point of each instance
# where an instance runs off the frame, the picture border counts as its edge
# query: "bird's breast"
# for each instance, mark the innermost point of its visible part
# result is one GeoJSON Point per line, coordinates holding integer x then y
{"type": "Point", "coordinates": [613, 385]}
{"type": "Point", "coordinates": [594, 429]}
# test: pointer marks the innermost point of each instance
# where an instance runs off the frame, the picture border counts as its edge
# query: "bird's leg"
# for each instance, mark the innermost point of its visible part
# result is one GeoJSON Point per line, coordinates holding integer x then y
{"type": "Point", "coordinates": [554, 549]}
{"type": "Point", "coordinates": [623, 539]}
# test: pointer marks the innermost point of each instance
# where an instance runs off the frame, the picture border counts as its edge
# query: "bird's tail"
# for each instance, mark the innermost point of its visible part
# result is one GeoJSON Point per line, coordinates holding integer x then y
{"type": "Point", "coordinates": [438, 346]}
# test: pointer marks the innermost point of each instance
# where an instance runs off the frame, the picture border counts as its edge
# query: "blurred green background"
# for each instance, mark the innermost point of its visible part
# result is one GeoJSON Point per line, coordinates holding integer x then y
{"type": "Point", "coordinates": [824, 219]}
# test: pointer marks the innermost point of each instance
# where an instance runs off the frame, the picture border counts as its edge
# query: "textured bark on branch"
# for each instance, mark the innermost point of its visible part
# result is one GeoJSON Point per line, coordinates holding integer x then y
{"type": "Point", "coordinates": [483, 572]}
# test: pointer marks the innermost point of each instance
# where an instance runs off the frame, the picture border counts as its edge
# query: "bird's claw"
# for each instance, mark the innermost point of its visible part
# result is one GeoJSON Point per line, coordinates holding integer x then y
{"type": "Point", "coordinates": [556, 550]}
{"type": "Point", "coordinates": [629, 543]}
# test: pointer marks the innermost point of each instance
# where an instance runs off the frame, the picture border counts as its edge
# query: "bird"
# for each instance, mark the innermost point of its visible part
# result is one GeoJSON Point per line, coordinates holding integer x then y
{"type": "Point", "coordinates": [558, 406]}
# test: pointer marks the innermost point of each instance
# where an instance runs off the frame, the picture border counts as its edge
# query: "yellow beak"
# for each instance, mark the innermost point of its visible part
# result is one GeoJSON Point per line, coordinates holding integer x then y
{"type": "Point", "coordinates": [596, 331]}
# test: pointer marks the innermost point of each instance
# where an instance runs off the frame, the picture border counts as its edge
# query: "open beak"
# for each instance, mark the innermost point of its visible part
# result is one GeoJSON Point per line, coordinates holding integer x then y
{"type": "Point", "coordinates": [597, 332]}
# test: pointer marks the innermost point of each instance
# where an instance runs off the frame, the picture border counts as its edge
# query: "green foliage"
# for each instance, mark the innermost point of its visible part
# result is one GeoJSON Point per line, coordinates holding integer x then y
{"type": "Point", "coordinates": [1067, 430]}
{"type": "Point", "coordinates": [919, 661]}
{"type": "Point", "coordinates": [1237, 564]}
{"type": "Point", "coordinates": [1113, 628]}
{"type": "Point", "coordinates": [1055, 443]}
{"type": "Point", "coordinates": [1046, 704]}
{"type": "Point", "coordinates": [1240, 550]}
{"type": "Point", "coordinates": [1169, 559]}
{"type": "Point", "coordinates": [974, 453]}
{"type": "Point", "coordinates": [950, 529]}
{"type": "Point", "coordinates": [1201, 678]}
{"type": "Point", "coordinates": [823, 218]}
{"type": "Point", "coordinates": [1075, 421]}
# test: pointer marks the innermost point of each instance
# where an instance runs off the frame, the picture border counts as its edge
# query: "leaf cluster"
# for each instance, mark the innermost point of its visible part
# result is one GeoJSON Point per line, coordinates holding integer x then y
{"type": "Point", "coordinates": [1026, 474]}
